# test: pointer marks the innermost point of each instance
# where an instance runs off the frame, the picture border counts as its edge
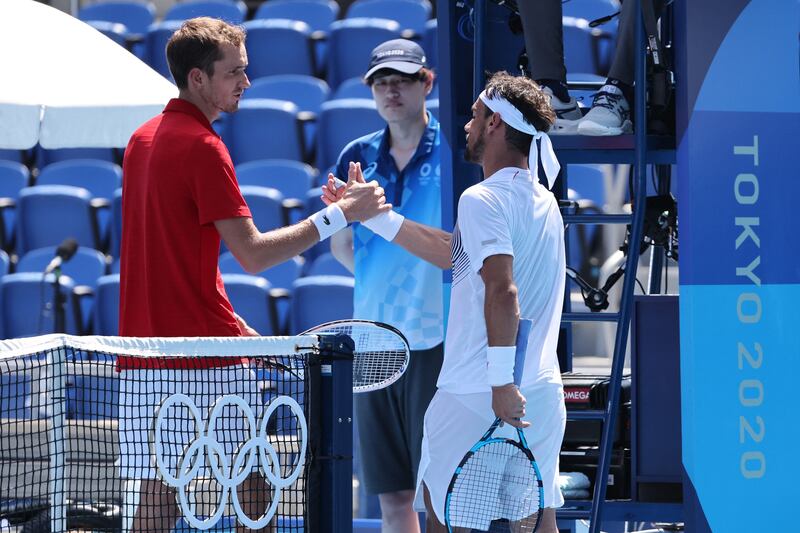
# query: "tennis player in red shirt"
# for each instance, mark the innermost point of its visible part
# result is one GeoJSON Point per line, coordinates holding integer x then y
{"type": "Point", "coordinates": [180, 197]}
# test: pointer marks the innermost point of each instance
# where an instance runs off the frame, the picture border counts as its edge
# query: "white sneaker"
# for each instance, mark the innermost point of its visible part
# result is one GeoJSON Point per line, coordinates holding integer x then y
{"type": "Point", "coordinates": [567, 114]}
{"type": "Point", "coordinates": [610, 114]}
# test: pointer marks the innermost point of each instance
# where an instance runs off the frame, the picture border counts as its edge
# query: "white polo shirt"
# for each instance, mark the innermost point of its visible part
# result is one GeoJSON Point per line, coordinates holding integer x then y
{"type": "Point", "coordinates": [508, 213]}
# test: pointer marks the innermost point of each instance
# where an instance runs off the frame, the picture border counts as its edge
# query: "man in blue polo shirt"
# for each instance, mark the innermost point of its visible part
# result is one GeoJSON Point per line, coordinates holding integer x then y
{"type": "Point", "coordinates": [392, 285]}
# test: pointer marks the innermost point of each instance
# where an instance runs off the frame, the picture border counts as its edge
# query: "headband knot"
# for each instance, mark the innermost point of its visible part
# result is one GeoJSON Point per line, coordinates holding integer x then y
{"type": "Point", "coordinates": [513, 117]}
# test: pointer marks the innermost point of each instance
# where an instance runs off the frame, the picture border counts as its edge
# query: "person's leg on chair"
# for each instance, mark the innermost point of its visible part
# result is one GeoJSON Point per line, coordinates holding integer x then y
{"type": "Point", "coordinates": [397, 512]}
{"type": "Point", "coordinates": [157, 510]}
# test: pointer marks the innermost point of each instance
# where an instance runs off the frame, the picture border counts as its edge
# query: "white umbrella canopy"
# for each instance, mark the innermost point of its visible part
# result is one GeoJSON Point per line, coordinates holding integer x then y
{"type": "Point", "coordinates": [64, 84]}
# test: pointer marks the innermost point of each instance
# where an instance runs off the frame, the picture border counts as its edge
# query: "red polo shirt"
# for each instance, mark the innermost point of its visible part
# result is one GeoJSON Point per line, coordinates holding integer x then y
{"type": "Point", "coordinates": [178, 180]}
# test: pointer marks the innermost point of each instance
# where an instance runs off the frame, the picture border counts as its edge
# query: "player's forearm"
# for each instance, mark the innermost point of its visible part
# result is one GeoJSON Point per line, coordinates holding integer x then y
{"type": "Point", "coordinates": [342, 248]}
{"type": "Point", "coordinates": [501, 312]}
{"type": "Point", "coordinates": [268, 249]}
{"type": "Point", "coordinates": [426, 242]}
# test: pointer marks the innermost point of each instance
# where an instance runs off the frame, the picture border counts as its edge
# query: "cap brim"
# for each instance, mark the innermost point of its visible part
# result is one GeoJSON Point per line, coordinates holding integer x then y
{"type": "Point", "coordinates": [401, 66]}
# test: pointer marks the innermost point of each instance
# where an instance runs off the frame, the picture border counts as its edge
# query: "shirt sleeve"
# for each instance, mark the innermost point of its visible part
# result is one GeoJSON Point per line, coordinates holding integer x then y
{"type": "Point", "coordinates": [214, 184]}
{"type": "Point", "coordinates": [483, 226]}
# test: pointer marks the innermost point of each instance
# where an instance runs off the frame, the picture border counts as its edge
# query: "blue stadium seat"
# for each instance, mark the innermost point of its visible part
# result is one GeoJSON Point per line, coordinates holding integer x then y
{"type": "Point", "coordinates": [350, 43]}
{"type": "Point", "coordinates": [249, 296]}
{"type": "Point", "coordinates": [13, 178]}
{"type": "Point", "coordinates": [27, 304]}
{"type": "Point", "coordinates": [581, 46]}
{"type": "Point", "coordinates": [233, 11]}
{"type": "Point", "coordinates": [410, 14]}
{"type": "Point", "coordinates": [15, 388]}
{"type": "Point", "coordinates": [12, 155]}
{"type": "Point", "coordinates": [430, 43]}
{"type": "Point", "coordinates": [106, 305]}
{"type": "Point", "coordinates": [291, 178]}
{"type": "Point", "coordinates": [266, 206]}
{"type": "Point", "coordinates": [318, 14]}
{"type": "Point", "coordinates": [100, 178]}
{"type": "Point", "coordinates": [280, 278]}
{"type": "Point", "coordinates": [342, 121]}
{"type": "Point", "coordinates": [46, 157]}
{"type": "Point", "coordinates": [279, 46]}
{"type": "Point", "coordinates": [326, 265]}
{"type": "Point", "coordinates": [48, 214]}
{"type": "Point", "coordinates": [265, 129]}
{"type": "Point", "coordinates": [113, 30]}
{"type": "Point", "coordinates": [5, 263]}
{"type": "Point", "coordinates": [116, 223]}
{"type": "Point", "coordinates": [84, 268]}
{"type": "Point", "coordinates": [352, 88]}
{"type": "Point", "coordinates": [306, 92]}
{"type": "Point", "coordinates": [155, 45]}
{"type": "Point", "coordinates": [136, 16]}
{"type": "Point", "coordinates": [319, 299]}
{"type": "Point", "coordinates": [93, 395]}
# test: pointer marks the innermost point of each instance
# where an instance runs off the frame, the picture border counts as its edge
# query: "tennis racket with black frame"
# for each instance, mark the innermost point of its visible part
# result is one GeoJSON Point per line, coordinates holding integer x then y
{"type": "Point", "coordinates": [381, 352]}
{"type": "Point", "coordinates": [497, 485]}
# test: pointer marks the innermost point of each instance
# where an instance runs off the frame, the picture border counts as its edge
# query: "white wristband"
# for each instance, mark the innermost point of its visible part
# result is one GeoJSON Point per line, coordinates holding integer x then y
{"type": "Point", "coordinates": [500, 365]}
{"type": "Point", "coordinates": [386, 224]}
{"type": "Point", "coordinates": [328, 221]}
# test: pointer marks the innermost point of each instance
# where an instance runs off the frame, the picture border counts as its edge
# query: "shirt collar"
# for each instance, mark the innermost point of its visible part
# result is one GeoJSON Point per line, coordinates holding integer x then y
{"type": "Point", "coordinates": [179, 105]}
{"type": "Point", "coordinates": [426, 142]}
{"type": "Point", "coordinates": [509, 173]}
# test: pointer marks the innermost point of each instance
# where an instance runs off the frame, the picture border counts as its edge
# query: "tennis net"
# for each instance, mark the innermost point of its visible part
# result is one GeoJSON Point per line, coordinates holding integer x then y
{"type": "Point", "coordinates": [122, 434]}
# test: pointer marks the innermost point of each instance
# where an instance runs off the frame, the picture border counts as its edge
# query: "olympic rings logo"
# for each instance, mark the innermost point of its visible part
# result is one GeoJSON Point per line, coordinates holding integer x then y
{"type": "Point", "coordinates": [228, 475]}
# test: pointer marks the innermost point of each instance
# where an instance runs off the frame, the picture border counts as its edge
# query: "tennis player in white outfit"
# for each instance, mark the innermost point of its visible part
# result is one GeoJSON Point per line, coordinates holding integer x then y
{"type": "Point", "coordinates": [507, 256]}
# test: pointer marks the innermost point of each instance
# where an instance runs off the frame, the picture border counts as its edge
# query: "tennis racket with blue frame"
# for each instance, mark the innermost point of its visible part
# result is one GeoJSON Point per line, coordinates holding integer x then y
{"type": "Point", "coordinates": [498, 482]}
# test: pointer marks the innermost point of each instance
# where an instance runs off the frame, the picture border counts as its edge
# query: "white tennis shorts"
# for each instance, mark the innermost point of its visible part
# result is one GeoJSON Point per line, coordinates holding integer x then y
{"type": "Point", "coordinates": [455, 422]}
{"type": "Point", "coordinates": [141, 393]}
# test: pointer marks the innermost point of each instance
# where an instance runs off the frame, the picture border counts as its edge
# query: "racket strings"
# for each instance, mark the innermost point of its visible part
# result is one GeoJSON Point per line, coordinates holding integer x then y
{"type": "Point", "coordinates": [496, 485]}
{"type": "Point", "coordinates": [379, 354]}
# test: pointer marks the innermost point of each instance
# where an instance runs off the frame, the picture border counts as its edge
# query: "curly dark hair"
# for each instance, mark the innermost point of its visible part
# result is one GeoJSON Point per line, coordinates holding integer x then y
{"type": "Point", "coordinates": [526, 95]}
{"type": "Point", "coordinates": [196, 44]}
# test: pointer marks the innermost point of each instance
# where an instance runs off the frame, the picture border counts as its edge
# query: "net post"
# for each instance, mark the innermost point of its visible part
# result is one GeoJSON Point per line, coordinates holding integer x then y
{"type": "Point", "coordinates": [56, 362]}
{"type": "Point", "coordinates": [331, 496]}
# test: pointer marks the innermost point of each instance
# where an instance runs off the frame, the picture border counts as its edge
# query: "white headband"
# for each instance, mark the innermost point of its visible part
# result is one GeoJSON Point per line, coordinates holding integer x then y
{"type": "Point", "coordinates": [513, 117]}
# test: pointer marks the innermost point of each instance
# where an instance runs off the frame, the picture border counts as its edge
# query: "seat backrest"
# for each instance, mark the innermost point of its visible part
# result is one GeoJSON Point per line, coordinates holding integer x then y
{"type": "Point", "coordinates": [343, 121]}
{"type": "Point", "coordinates": [227, 10]}
{"type": "Point", "coordinates": [48, 214]}
{"type": "Point", "coordinates": [264, 129]}
{"type": "Point", "coordinates": [306, 92]}
{"type": "Point", "coordinates": [350, 43]}
{"type": "Point", "coordinates": [280, 276]}
{"type": "Point", "coordinates": [410, 14]}
{"type": "Point", "coordinates": [266, 206]}
{"type": "Point", "coordinates": [155, 46]}
{"type": "Point", "coordinates": [291, 178]}
{"type": "Point", "coordinates": [320, 299]}
{"type": "Point", "coordinates": [327, 265]}
{"type": "Point", "coordinates": [249, 296]}
{"type": "Point", "coordinates": [27, 304]}
{"type": "Point", "coordinates": [279, 46]}
{"type": "Point", "coordinates": [13, 177]}
{"type": "Point", "coordinates": [318, 14]}
{"type": "Point", "coordinates": [100, 178]}
{"type": "Point", "coordinates": [352, 88]}
{"type": "Point", "coordinates": [46, 157]}
{"type": "Point", "coordinates": [106, 305]}
{"type": "Point", "coordinates": [581, 47]}
{"type": "Point", "coordinates": [113, 30]}
{"type": "Point", "coordinates": [85, 267]}
{"type": "Point", "coordinates": [136, 16]}
{"type": "Point", "coordinates": [116, 223]}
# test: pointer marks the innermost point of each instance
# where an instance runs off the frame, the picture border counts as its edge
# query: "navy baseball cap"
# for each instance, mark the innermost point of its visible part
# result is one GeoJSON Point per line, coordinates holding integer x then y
{"type": "Point", "coordinates": [401, 55]}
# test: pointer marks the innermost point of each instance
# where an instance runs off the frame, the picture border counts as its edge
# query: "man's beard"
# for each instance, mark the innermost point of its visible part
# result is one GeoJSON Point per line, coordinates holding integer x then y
{"type": "Point", "coordinates": [475, 154]}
